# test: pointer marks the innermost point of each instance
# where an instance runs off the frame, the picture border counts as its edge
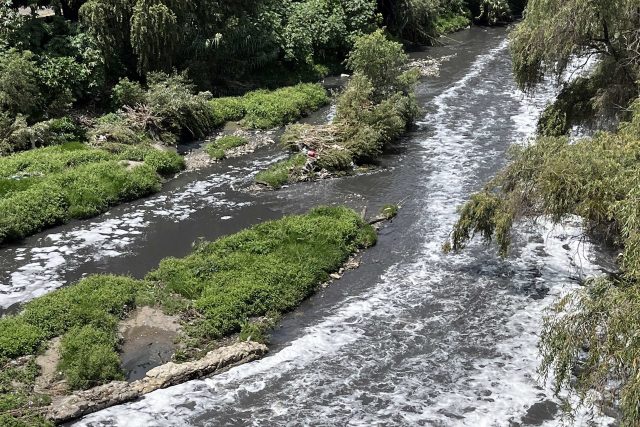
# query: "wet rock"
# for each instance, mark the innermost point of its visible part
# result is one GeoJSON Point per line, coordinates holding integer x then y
{"type": "Point", "coordinates": [85, 402]}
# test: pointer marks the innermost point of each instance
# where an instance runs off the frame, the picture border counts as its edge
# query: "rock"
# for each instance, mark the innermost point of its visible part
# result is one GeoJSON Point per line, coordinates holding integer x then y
{"type": "Point", "coordinates": [335, 276]}
{"type": "Point", "coordinates": [86, 402]}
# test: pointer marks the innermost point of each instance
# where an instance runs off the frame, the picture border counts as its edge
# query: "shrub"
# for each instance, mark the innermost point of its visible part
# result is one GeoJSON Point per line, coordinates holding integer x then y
{"type": "Point", "coordinates": [269, 268]}
{"type": "Point", "coordinates": [335, 160]}
{"type": "Point", "coordinates": [91, 189]}
{"type": "Point", "coordinates": [127, 92]}
{"type": "Point", "coordinates": [97, 300]}
{"type": "Point", "coordinates": [18, 338]}
{"type": "Point", "coordinates": [88, 357]}
{"type": "Point", "coordinates": [171, 98]}
{"type": "Point", "coordinates": [451, 22]}
{"type": "Point", "coordinates": [162, 161]}
{"type": "Point", "coordinates": [381, 61]}
{"type": "Point", "coordinates": [265, 110]}
{"type": "Point", "coordinates": [19, 91]}
{"type": "Point", "coordinates": [113, 128]}
{"type": "Point", "coordinates": [27, 212]}
{"type": "Point", "coordinates": [48, 186]}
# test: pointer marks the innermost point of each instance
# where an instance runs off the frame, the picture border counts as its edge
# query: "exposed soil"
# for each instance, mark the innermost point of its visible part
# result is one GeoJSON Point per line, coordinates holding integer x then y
{"type": "Point", "coordinates": [148, 341]}
{"type": "Point", "coordinates": [50, 381]}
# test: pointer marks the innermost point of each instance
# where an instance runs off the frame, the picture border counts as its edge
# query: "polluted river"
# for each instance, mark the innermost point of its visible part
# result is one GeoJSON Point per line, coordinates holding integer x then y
{"type": "Point", "coordinates": [412, 337]}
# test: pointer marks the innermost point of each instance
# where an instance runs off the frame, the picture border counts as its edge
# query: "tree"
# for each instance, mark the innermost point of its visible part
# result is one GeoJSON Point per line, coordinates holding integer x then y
{"type": "Point", "coordinates": [556, 31]}
{"type": "Point", "coordinates": [19, 91]}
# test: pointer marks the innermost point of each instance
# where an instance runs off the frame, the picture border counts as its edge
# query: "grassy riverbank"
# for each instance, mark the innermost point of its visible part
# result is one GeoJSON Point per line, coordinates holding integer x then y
{"type": "Point", "coordinates": [218, 290]}
{"type": "Point", "coordinates": [49, 186]}
{"type": "Point", "coordinates": [263, 109]}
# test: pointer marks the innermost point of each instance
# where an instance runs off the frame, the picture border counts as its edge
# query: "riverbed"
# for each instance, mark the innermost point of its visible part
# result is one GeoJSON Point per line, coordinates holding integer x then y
{"type": "Point", "coordinates": [414, 336]}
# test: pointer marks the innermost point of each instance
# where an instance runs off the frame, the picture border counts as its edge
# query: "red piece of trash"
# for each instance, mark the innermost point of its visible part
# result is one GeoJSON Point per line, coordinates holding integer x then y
{"type": "Point", "coordinates": [311, 153]}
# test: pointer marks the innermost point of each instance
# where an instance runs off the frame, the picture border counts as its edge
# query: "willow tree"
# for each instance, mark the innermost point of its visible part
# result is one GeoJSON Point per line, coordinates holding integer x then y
{"type": "Point", "coordinates": [591, 340]}
{"type": "Point", "coordinates": [154, 35]}
{"type": "Point", "coordinates": [557, 33]}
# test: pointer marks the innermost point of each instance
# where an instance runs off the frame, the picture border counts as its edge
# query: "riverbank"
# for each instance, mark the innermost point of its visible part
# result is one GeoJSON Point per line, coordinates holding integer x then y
{"type": "Point", "coordinates": [224, 287]}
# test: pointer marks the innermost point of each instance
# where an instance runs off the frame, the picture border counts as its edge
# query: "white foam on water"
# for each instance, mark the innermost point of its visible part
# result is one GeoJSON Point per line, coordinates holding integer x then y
{"type": "Point", "coordinates": [44, 266]}
{"type": "Point", "coordinates": [436, 340]}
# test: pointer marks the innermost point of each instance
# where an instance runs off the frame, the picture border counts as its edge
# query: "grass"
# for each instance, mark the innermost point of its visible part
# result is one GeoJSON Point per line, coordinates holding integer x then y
{"type": "Point", "coordinates": [264, 109]}
{"type": "Point", "coordinates": [269, 268]}
{"type": "Point", "coordinates": [217, 149]}
{"type": "Point", "coordinates": [281, 173]}
{"type": "Point", "coordinates": [265, 270]}
{"type": "Point", "coordinates": [49, 186]}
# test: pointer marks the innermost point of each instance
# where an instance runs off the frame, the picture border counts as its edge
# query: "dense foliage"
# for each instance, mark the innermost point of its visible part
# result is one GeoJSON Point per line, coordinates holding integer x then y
{"type": "Point", "coordinates": [223, 285]}
{"type": "Point", "coordinates": [375, 108]}
{"type": "Point", "coordinates": [557, 33]}
{"type": "Point", "coordinates": [590, 340]}
{"type": "Point", "coordinates": [597, 179]}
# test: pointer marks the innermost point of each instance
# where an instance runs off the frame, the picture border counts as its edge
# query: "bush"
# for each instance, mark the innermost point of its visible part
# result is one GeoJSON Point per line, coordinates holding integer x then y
{"type": "Point", "coordinates": [127, 92]}
{"type": "Point", "coordinates": [88, 357]}
{"type": "Point", "coordinates": [34, 209]}
{"type": "Point", "coordinates": [335, 160]}
{"type": "Point", "coordinates": [451, 22]}
{"type": "Point", "coordinates": [226, 110]}
{"type": "Point", "coordinates": [114, 128]}
{"type": "Point", "coordinates": [48, 186]}
{"type": "Point", "coordinates": [368, 117]}
{"type": "Point", "coordinates": [218, 148]}
{"type": "Point", "coordinates": [18, 338]}
{"type": "Point", "coordinates": [163, 162]}
{"type": "Point", "coordinates": [263, 109]}
{"type": "Point", "coordinates": [19, 91]}
{"type": "Point", "coordinates": [171, 98]}
{"type": "Point", "coordinates": [97, 300]}
{"type": "Point", "coordinates": [381, 61]}
{"type": "Point", "coordinates": [91, 189]}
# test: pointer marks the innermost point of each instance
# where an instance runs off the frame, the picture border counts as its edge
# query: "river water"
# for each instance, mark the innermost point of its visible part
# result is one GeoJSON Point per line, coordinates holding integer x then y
{"type": "Point", "coordinates": [413, 337]}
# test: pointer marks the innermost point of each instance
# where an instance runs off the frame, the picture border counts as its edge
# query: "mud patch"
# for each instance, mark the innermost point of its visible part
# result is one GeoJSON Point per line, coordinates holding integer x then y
{"type": "Point", "coordinates": [50, 379]}
{"type": "Point", "coordinates": [148, 341]}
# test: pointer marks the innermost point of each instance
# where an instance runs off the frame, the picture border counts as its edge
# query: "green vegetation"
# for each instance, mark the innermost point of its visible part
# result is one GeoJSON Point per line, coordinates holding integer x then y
{"type": "Point", "coordinates": [390, 211]}
{"type": "Point", "coordinates": [271, 267]}
{"type": "Point", "coordinates": [88, 357]}
{"type": "Point", "coordinates": [555, 32]}
{"type": "Point", "coordinates": [451, 22]}
{"type": "Point", "coordinates": [282, 172]}
{"type": "Point", "coordinates": [48, 186]}
{"type": "Point", "coordinates": [264, 109]}
{"type": "Point", "coordinates": [597, 179]}
{"type": "Point", "coordinates": [223, 286]}
{"type": "Point", "coordinates": [589, 341]}
{"type": "Point", "coordinates": [17, 382]}
{"type": "Point", "coordinates": [218, 148]}
{"type": "Point", "coordinates": [102, 52]}
{"type": "Point", "coordinates": [374, 110]}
